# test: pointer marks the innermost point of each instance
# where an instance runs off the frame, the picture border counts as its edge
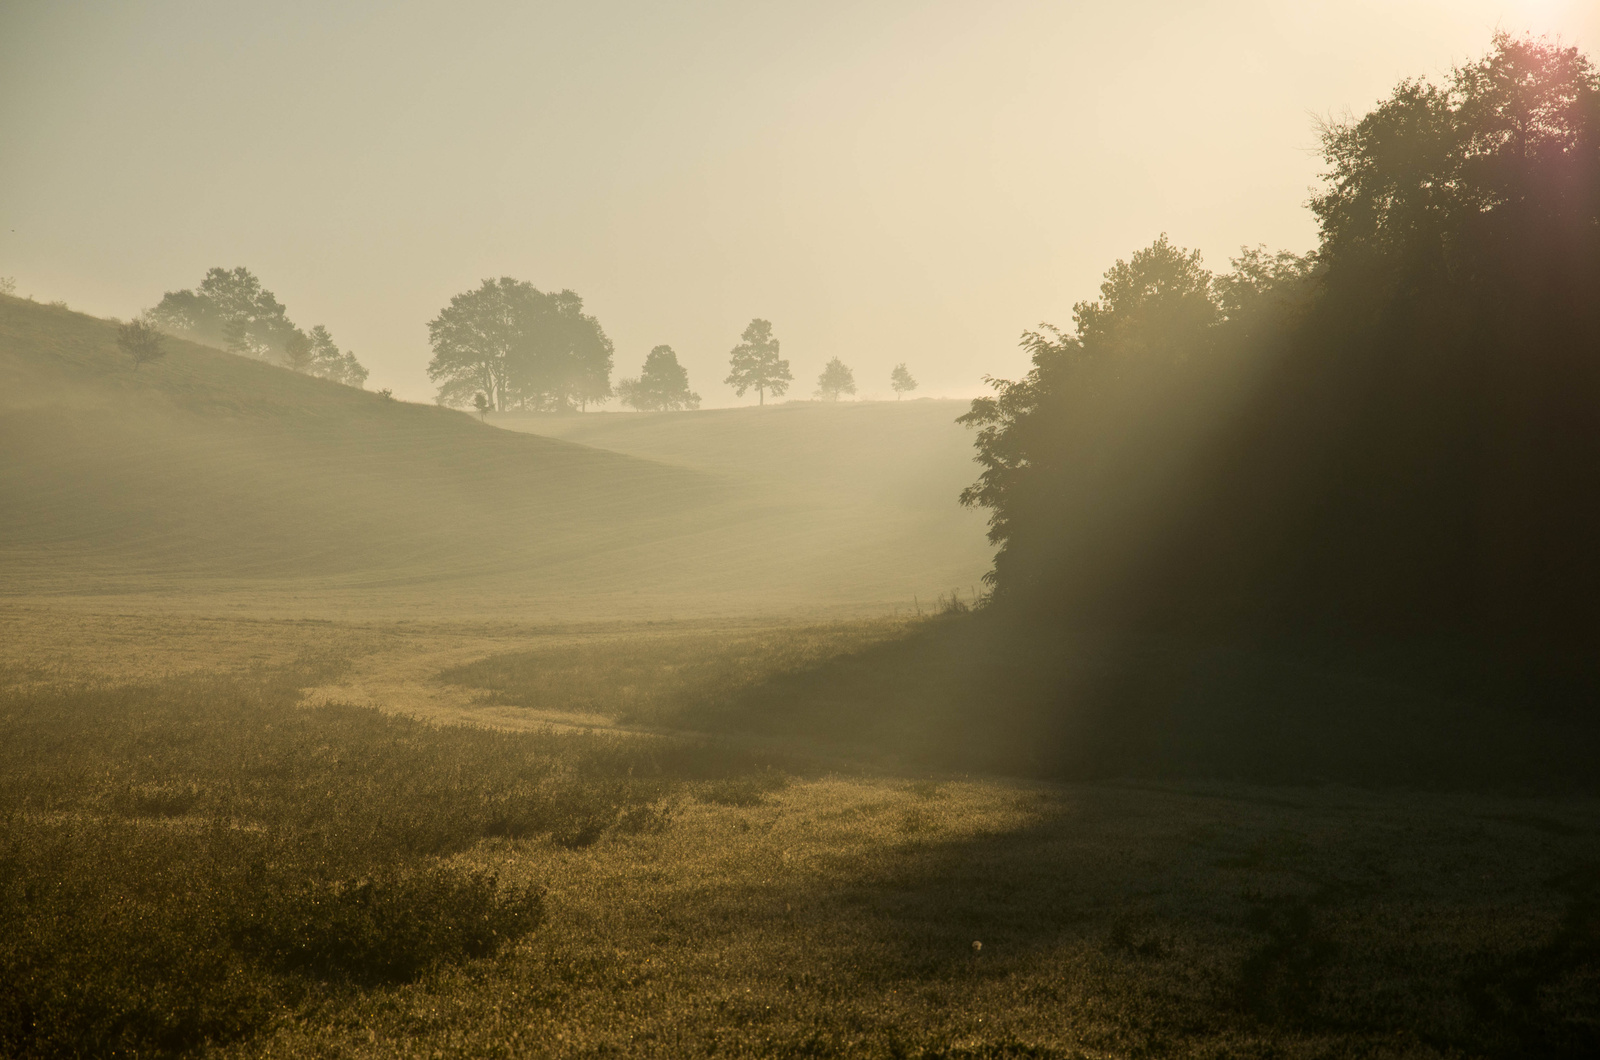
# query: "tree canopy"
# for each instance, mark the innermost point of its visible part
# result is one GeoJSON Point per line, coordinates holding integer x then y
{"type": "Point", "coordinates": [755, 363]}
{"type": "Point", "coordinates": [1389, 439]}
{"type": "Point", "coordinates": [522, 347]}
{"type": "Point", "coordinates": [663, 384]}
{"type": "Point", "coordinates": [836, 379]}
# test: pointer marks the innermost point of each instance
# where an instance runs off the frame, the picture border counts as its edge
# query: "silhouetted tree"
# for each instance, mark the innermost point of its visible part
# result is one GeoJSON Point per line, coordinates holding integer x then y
{"type": "Point", "coordinates": [141, 341]}
{"type": "Point", "coordinates": [755, 363]}
{"type": "Point", "coordinates": [231, 309]}
{"type": "Point", "coordinates": [297, 352]}
{"type": "Point", "coordinates": [663, 384]}
{"type": "Point", "coordinates": [522, 347]}
{"type": "Point", "coordinates": [836, 379]}
{"type": "Point", "coordinates": [1391, 441]}
{"type": "Point", "coordinates": [900, 381]}
{"type": "Point", "coordinates": [330, 362]}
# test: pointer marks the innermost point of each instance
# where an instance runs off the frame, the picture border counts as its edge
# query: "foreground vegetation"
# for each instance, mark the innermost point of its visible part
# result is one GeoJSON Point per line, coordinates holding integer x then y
{"type": "Point", "coordinates": [290, 881]}
{"type": "Point", "coordinates": [182, 859]}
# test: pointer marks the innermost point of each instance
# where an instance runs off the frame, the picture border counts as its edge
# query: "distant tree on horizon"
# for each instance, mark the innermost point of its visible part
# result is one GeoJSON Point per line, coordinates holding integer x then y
{"type": "Point", "coordinates": [900, 380]}
{"type": "Point", "coordinates": [836, 379]}
{"type": "Point", "coordinates": [755, 363]}
{"type": "Point", "coordinates": [230, 308]}
{"type": "Point", "coordinates": [662, 386]}
{"type": "Point", "coordinates": [140, 340]}
{"type": "Point", "coordinates": [330, 362]}
{"type": "Point", "coordinates": [524, 348]}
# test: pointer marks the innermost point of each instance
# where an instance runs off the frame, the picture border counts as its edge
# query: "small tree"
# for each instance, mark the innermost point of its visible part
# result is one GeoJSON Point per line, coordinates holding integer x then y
{"type": "Point", "coordinates": [141, 341]}
{"type": "Point", "coordinates": [901, 381]}
{"type": "Point", "coordinates": [297, 351]}
{"type": "Point", "coordinates": [480, 401]}
{"type": "Point", "coordinates": [662, 384]}
{"type": "Point", "coordinates": [755, 363]}
{"type": "Point", "coordinates": [836, 379]}
{"type": "Point", "coordinates": [8, 285]}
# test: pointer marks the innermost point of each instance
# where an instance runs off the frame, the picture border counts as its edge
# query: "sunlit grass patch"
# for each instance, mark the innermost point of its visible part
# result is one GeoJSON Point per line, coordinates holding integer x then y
{"type": "Point", "coordinates": [664, 678]}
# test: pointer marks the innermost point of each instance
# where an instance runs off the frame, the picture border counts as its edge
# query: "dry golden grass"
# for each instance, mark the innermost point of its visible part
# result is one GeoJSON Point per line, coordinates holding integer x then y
{"type": "Point", "coordinates": [838, 919]}
{"type": "Point", "coordinates": [836, 915]}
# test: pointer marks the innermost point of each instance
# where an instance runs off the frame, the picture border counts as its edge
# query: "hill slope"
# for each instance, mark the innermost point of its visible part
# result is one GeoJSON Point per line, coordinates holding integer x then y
{"type": "Point", "coordinates": [207, 472]}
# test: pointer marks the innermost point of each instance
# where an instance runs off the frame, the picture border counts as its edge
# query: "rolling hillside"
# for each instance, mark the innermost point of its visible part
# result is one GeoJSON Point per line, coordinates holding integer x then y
{"type": "Point", "coordinates": [215, 474]}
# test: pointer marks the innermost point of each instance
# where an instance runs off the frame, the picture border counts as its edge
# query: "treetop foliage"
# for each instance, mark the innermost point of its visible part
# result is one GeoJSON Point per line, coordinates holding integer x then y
{"type": "Point", "coordinates": [522, 347]}
{"type": "Point", "coordinates": [231, 309]}
{"type": "Point", "coordinates": [755, 363]}
{"type": "Point", "coordinates": [662, 386]}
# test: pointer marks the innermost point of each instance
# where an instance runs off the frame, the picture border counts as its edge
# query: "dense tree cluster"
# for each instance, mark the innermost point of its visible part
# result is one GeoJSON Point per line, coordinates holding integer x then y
{"type": "Point", "coordinates": [231, 309]}
{"type": "Point", "coordinates": [521, 347]}
{"type": "Point", "coordinates": [1393, 439]}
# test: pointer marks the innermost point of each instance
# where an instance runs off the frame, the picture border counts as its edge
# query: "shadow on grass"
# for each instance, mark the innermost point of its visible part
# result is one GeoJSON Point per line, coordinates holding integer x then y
{"type": "Point", "coordinates": [1151, 921]}
{"type": "Point", "coordinates": [979, 692]}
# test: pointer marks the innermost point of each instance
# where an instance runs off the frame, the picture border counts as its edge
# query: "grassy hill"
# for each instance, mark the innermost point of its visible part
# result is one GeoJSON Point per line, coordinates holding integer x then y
{"type": "Point", "coordinates": [207, 472]}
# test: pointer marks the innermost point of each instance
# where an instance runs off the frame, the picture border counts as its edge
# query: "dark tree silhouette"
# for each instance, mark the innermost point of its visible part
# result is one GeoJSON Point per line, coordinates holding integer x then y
{"type": "Point", "coordinates": [233, 310]}
{"type": "Point", "coordinates": [755, 363]}
{"type": "Point", "coordinates": [522, 347]}
{"type": "Point", "coordinates": [663, 384]}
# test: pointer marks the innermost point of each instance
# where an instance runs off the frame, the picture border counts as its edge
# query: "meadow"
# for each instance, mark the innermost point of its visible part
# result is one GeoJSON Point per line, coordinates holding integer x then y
{"type": "Point", "coordinates": [333, 726]}
{"type": "Point", "coordinates": [295, 879]}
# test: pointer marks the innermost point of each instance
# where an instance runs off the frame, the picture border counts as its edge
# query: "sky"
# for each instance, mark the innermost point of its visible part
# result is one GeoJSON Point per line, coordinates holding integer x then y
{"type": "Point", "coordinates": [890, 181]}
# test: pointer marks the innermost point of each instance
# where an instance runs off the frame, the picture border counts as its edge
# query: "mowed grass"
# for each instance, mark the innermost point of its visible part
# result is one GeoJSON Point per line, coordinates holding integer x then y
{"type": "Point", "coordinates": [206, 474]}
{"type": "Point", "coordinates": [701, 898]}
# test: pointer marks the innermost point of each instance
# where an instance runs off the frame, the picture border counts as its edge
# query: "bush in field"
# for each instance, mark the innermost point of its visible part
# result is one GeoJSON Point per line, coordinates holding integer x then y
{"type": "Point", "coordinates": [141, 341]}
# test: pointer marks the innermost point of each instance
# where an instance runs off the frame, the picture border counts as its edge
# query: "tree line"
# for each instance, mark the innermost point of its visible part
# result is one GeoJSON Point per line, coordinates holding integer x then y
{"type": "Point", "coordinates": [230, 308]}
{"type": "Point", "coordinates": [507, 345]}
{"type": "Point", "coordinates": [500, 346]}
{"type": "Point", "coordinates": [1387, 445]}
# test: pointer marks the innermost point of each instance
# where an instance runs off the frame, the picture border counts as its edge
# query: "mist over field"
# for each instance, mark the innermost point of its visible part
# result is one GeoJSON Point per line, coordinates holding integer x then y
{"type": "Point", "coordinates": [800, 530]}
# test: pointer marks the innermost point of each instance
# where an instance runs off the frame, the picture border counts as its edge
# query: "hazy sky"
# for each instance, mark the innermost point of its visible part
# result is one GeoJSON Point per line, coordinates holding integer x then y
{"type": "Point", "coordinates": [885, 181]}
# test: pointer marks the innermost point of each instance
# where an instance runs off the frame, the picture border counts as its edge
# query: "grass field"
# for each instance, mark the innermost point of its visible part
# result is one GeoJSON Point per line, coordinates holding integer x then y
{"type": "Point", "coordinates": [332, 726]}
{"type": "Point", "coordinates": [697, 897]}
